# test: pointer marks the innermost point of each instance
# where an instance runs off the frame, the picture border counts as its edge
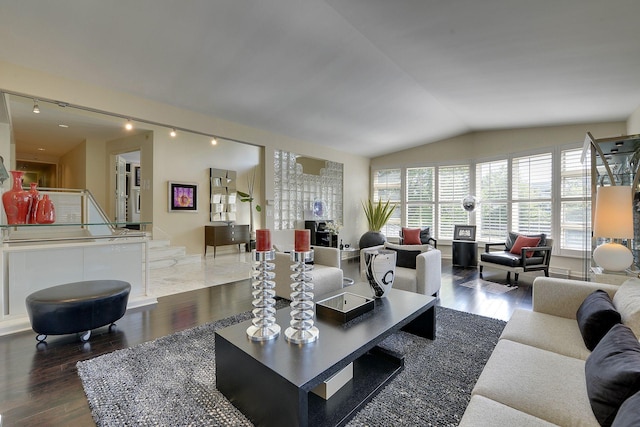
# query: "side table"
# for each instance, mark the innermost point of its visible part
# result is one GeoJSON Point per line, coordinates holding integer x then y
{"type": "Point", "coordinates": [464, 253]}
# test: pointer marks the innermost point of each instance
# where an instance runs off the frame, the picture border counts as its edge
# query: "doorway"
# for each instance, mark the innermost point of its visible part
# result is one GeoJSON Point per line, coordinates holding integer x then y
{"type": "Point", "coordinates": [128, 172]}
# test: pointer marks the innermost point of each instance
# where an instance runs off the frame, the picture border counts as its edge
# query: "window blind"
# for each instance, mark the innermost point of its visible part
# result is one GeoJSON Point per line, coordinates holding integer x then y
{"type": "Point", "coordinates": [453, 186]}
{"type": "Point", "coordinates": [492, 187]}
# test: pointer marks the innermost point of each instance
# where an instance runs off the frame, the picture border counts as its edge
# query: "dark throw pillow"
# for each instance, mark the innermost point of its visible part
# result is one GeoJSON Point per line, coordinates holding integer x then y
{"type": "Point", "coordinates": [595, 317]}
{"type": "Point", "coordinates": [405, 258]}
{"type": "Point", "coordinates": [629, 413]}
{"type": "Point", "coordinates": [613, 373]}
{"type": "Point", "coordinates": [425, 235]}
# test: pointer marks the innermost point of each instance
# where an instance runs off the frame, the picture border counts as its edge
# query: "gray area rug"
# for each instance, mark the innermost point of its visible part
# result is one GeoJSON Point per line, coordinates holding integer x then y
{"type": "Point", "coordinates": [171, 381]}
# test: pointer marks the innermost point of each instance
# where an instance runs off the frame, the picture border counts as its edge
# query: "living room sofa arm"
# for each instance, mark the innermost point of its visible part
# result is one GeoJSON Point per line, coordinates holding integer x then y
{"type": "Point", "coordinates": [325, 255]}
{"type": "Point", "coordinates": [563, 297]}
{"type": "Point", "coordinates": [429, 272]}
{"type": "Point", "coordinates": [488, 246]}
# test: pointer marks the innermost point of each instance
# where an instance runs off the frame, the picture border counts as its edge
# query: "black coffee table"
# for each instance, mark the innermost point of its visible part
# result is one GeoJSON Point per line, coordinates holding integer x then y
{"type": "Point", "coordinates": [271, 382]}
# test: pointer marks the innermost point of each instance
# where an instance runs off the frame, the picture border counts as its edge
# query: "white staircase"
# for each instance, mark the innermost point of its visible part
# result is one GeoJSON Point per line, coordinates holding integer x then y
{"type": "Point", "coordinates": [162, 254]}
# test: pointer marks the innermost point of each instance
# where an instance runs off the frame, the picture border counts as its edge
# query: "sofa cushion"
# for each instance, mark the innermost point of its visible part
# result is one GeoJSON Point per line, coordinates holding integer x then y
{"type": "Point", "coordinates": [544, 384]}
{"type": "Point", "coordinates": [629, 413]}
{"type": "Point", "coordinates": [547, 332]}
{"type": "Point", "coordinates": [613, 372]}
{"type": "Point", "coordinates": [483, 412]}
{"type": "Point", "coordinates": [524, 242]}
{"type": "Point", "coordinates": [411, 236]}
{"type": "Point", "coordinates": [627, 301]}
{"type": "Point", "coordinates": [595, 316]}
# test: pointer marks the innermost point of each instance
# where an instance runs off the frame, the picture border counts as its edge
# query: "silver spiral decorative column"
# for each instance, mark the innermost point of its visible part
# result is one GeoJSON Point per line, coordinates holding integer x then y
{"type": "Point", "coordinates": [302, 330]}
{"type": "Point", "coordinates": [264, 326]}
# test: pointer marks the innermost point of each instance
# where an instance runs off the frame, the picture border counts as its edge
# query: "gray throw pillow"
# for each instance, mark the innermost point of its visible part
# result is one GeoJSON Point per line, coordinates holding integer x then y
{"type": "Point", "coordinates": [595, 317]}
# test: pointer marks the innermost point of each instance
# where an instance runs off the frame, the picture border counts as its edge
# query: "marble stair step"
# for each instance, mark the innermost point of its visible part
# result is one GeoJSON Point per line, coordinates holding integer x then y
{"type": "Point", "coordinates": [173, 261]}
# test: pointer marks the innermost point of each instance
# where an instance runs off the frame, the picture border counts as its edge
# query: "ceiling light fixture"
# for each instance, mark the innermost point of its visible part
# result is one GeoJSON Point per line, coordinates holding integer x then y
{"type": "Point", "coordinates": [173, 133]}
{"type": "Point", "coordinates": [36, 109]}
{"type": "Point", "coordinates": [214, 141]}
{"type": "Point", "coordinates": [63, 125]}
{"type": "Point", "coordinates": [620, 143]}
{"type": "Point", "coordinates": [128, 125]}
{"type": "Point", "coordinates": [614, 150]}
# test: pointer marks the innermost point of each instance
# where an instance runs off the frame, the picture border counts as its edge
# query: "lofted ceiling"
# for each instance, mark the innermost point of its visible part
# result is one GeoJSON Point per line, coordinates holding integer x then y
{"type": "Point", "coordinates": [363, 76]}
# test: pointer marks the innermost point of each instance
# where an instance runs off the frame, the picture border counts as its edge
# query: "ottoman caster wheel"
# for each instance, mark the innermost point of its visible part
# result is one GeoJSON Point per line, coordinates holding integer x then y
{"type": "Point", "coordinates": [85, 336]}
{"type": "Point", "coordinates": [113, 327]}
{"type": "Point", "coordinates": [41, 338]}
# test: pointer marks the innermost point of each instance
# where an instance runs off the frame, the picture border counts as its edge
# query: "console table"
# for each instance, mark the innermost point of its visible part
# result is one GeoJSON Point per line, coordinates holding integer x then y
{"type": "Point", "coordinates": [221, 235]}
{"type": "Point", "coordinates": [271, 382]}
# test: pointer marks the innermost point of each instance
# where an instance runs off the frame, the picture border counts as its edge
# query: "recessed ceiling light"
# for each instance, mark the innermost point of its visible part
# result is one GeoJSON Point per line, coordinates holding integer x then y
{"type": "Point", "coordinates": [614, 150]}
{"type": "Point", "coordinates": [214, 141]}
{"type": "Point", "coordinates": [63, 126]}
{"type": "Point", "coordinates": [173, 133]}
{"type": "Point", "coordinates": [128, 125]}
{"type": "Point", "coordinates": [620, 143]}
{"type": "Point", "coordinates": [40, 149]}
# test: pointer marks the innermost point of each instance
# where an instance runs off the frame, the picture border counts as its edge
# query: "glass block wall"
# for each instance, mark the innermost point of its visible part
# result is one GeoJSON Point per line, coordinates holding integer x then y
{"type": "Point", "coordinates": [299, 196]}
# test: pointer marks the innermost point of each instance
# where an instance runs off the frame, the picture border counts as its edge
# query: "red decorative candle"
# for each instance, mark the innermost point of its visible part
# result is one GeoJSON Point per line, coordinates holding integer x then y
{"type": "Point", "coordinates": [303, 239]}
{"type": "Point", "coordinates": [263, 240]}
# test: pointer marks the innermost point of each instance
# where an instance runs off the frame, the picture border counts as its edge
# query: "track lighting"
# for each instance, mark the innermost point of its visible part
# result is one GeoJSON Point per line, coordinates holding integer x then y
{"type": "Point", "coordinates": [36, 109]}
{"type": "Point", "coordinates": [128, 125]}
{"type": "Point", "coordinates": [214, 141]}
{"type": "Point", "coordinates": [173, 133]}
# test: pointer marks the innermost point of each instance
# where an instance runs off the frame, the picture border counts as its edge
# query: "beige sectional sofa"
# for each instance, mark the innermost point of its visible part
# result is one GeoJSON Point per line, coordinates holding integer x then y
{"type": "Point", "coordinates": [536, 374]}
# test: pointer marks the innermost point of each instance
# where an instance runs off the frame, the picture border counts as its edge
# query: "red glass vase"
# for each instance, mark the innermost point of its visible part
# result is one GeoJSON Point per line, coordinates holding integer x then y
{"type": "Point", "coordinates": [33, 206]}
{"type": "Point", "coordinates": [46, 212]}
{"type": "Point", "coordinates": [16, 201]}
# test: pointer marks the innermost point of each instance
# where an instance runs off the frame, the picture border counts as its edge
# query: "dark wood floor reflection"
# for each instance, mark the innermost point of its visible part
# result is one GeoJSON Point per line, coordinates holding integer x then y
{"type": "Point", "coordinates": [40, 387]}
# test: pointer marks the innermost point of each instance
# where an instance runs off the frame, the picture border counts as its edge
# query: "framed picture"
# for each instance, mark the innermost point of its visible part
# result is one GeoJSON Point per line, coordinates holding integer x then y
{"type": "Point", "coordinates": [136, 176]}
{"type": "Point", "coordinates": [183, 197]}
{"type": "Point", "coordinates": [464, 232]}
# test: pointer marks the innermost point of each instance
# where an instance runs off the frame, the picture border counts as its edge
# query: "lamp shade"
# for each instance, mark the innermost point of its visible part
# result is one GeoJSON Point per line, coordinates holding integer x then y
{"type": "Point", "coordinates": [614, 213]}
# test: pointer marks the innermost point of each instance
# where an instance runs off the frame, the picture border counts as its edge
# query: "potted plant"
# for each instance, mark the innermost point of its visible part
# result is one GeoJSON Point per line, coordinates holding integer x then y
{"type": "Point", "coordinates": [248, 197]}
{"type": "Point", "coordinates": [377, 216]}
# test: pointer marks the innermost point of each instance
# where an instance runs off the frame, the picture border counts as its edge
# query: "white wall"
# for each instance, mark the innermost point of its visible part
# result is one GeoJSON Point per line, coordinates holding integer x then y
{"type": "Point", "coordinates": [188, 162]}
{"type": "Point", "coordinates": [633, 124]}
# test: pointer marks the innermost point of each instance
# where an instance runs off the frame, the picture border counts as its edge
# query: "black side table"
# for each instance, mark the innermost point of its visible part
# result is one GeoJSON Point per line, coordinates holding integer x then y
{"type": "Point", "coordinates": [464, 253]}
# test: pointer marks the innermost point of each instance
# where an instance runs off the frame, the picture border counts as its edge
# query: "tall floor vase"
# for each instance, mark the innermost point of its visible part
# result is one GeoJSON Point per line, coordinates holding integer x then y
{"type": "Point", "coordinates": [16, 201]}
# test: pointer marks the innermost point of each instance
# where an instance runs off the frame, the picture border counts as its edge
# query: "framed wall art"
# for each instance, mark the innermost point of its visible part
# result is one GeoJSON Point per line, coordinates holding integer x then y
{"type": "Point", "coordinates": [183, 197]}
{"type": "Point", "coordinates": [464, 232]}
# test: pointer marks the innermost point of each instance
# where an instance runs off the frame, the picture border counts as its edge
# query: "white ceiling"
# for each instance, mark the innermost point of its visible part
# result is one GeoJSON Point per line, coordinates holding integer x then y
{"type": "Point", "coordinates": [363, 76]}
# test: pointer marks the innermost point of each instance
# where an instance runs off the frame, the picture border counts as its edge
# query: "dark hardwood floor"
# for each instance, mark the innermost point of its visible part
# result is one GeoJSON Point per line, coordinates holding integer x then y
{"type": "Point", "coordinates": [40, 386]}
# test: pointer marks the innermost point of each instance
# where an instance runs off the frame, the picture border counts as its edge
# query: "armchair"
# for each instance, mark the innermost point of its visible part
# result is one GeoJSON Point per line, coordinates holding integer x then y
{"type": "Point", "coordinates": [418, 268]}
{"type": "Point", "coordinates": [327, 274]}
{"type": "Point", "coordinates": [518, 254]}
{"type": "Point", "coordinates": [424, 236]}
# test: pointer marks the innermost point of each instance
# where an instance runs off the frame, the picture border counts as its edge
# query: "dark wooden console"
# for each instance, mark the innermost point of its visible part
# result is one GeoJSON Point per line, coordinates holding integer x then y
{"type": "Point", "coordinates": [221, 235]}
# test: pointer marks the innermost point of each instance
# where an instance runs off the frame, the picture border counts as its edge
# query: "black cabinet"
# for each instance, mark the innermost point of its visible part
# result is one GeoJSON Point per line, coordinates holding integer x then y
{"type": "Point", "coordinates": [464, 253]}
{"type": "Point", "coordinates": [319, 234]}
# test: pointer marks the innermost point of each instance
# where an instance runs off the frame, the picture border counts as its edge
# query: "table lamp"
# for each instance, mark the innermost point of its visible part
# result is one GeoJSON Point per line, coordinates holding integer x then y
{"type": "Point", "coordinates": [613, 220]}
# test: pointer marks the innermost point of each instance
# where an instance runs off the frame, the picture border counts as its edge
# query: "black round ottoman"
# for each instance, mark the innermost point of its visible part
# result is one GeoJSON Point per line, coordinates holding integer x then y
{"type": "Point", "coordinates": [77, 307]}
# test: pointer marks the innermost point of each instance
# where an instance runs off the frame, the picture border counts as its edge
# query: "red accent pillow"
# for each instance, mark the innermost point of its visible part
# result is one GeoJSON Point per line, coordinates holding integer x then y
{"type": "Point", "coordinates": [524, 242]}
{"type": "Point", "coordinates": [411, 236]}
